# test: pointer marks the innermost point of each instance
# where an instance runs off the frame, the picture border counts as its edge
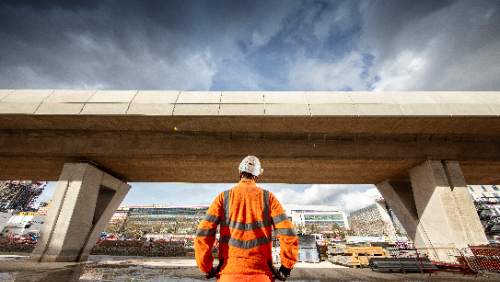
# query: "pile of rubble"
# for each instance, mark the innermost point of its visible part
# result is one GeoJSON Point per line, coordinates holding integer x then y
{"type": "Point", "coordinates": [16, 248]}
{"type": "Point", "coordinates": [139, 248]}
{"type": "Point", "coordinates": [116, 248]}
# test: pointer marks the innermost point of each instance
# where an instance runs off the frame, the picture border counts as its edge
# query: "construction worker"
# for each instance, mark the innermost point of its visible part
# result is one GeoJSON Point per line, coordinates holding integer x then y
{"type": "Point", "coordinates": [246, 214]}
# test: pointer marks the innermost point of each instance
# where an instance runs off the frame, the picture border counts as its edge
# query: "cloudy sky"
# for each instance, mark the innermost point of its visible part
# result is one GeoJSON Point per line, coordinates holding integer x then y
{"type": "Point", "coordinates": [349, 197]}
{"type": "Point", "coordinates": [250, 46]}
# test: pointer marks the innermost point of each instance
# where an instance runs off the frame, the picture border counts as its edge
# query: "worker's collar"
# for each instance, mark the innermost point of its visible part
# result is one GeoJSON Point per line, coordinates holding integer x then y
{"type": "Point", "coordinates": [247, 182]}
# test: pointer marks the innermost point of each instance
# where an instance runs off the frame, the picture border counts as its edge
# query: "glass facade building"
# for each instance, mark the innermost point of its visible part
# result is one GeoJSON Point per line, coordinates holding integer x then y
{"type": "Point", "coordinates": [320, 215]}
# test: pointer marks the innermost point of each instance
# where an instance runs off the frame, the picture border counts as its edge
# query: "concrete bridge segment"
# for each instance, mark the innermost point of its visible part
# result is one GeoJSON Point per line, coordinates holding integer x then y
{"type": "Point", "coordinates": [328, 137]}
{"type": "Point", "coordinates": [168, 136]}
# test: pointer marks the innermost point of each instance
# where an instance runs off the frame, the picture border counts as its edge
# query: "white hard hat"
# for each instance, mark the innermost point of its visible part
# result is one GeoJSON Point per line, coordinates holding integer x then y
{"type": "Point", "coordinates": [251, 164]}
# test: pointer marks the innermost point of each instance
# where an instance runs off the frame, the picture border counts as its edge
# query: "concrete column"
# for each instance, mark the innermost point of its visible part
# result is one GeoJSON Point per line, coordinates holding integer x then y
{"type": "Point", "coordinates": [472, 224]}
{"type": "Point", "coordinates": [398, 193]}
{"type": "Point", "coordinates": [435, 206]}
{"type": "Point", "coordinates": [84, 201]}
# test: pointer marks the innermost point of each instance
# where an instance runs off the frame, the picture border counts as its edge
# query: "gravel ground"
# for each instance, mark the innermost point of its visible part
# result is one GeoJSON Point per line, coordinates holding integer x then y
{"type": "Point", "coordinates": [14, 267]}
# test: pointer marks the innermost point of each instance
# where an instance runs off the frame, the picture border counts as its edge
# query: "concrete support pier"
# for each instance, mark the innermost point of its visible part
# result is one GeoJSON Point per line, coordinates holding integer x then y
{"type": "Point", "coordinates": [434, 206]}
{"type": "Point", "coordinates": [84, 201]}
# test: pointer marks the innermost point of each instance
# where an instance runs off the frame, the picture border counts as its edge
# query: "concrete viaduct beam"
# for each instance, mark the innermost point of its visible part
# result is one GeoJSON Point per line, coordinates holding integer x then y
{"type": "Point", "coordinates": [432, 142]}
{"type": "Point", "coordinates": [334, 137]}
{"type": "Point", "coordinates": [139, 156]}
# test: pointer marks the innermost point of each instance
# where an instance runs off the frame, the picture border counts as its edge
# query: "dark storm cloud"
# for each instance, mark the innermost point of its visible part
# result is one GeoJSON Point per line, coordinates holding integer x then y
{"type": "Point", "coordinates": [250, 45]}
{"type": "Point", "coordinates": [388, 20]}
{"type": "Point", "coordinates": [51, 4]}
{"type": "Point", "coordinates": [434, 45]}
{"type": "Point", "coordinates": [124, 44]}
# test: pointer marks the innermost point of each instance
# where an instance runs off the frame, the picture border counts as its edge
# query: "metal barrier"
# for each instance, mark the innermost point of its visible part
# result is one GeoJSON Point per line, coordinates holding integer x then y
{"type": "Point", "coordinates": [446, 259]}
{"type": "Point", "coordinates": [474, 260]}
{"type": "Point", "coordinates": [484, 258]}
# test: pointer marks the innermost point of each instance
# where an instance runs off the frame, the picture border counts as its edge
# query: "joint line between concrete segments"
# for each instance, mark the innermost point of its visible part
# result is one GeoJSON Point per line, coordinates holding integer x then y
{"type": "Point", "coordinates": [43, 101]}
{"type": "Point", "coordinates": [264, 100]}
{"type": "Point", "coordinates": [175, 103]}
{"type": "Point", "coordinates": [220, 101]}
{"type": "Point", "coordinates": [91, 96]}
{"type": "Point", "coordinates": [308, 104]}
{"type": "Point", "coordinates": [84, 104]}
{"type": "Point", "coordinates": [354, 105]}
{"type": "Point", "coordinates": [7, 95]}
{"type": "Point", "coordinates": [128, 108]}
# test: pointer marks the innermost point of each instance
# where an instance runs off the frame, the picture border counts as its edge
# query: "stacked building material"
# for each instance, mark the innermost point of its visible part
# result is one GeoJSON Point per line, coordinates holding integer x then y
{"type": "Point", "coordinates": [355, 256]}
{"type": "Point", "coordinates": [402, 264]}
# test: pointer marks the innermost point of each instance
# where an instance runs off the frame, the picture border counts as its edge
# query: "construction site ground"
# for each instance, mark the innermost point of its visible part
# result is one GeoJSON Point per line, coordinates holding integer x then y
{"type": "Point", "coordinates": [15, 267]}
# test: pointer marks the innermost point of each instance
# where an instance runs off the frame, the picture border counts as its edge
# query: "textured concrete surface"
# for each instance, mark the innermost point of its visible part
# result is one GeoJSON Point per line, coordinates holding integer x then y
{"type": "Point", "coordinates": [332, 137]}
{"type": "Point", "coordinates": [84, 201]}
{"type": "Point", "coordinates": [399, 196]}
{"type": "Point", "coordinates": [441, 214]}
{"type": "Point", "coordinates": [435, 207]}
{"type": "Point", "coordinates": [468, 214]}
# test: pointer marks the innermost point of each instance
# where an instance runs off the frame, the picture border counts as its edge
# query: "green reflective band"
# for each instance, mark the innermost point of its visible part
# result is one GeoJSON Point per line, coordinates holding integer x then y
{"type": "Point", "coordinates": [212, 218]}
{"type": "Point", "coordinates": [225, 209]}
{"type": "Point", "coordinates": [205, 232]}
{"type": "Point", "coordinates": [280, 218]}
{"type": "Point", "coordinates": [246, 226]}
{"type": "Point", "coordinates": [245, 244]}
{"type": "Point", "coordinates": [286, 232]}
{"type": "Point", "coordinates": [265, 212]}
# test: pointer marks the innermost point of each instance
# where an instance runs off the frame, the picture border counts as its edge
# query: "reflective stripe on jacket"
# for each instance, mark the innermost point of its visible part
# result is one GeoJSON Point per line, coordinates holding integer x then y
{"type": "Point", "coordinates": [246, 215]}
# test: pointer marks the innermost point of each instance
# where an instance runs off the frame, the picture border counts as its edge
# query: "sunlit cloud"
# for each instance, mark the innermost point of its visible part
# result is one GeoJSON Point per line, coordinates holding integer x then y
{"type": "Point", "coordinates": [350, 197]}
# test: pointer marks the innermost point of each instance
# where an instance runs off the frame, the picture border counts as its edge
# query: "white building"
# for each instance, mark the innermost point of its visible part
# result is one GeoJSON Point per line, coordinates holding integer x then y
{"type": "Point", "coordinates": [320, 215]}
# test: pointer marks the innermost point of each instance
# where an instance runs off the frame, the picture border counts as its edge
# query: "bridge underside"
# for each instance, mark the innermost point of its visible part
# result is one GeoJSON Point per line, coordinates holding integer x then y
{"type": "Point", "coordinates": [208, 149]}
{"type": "Point", "coordinates": [223, 169]}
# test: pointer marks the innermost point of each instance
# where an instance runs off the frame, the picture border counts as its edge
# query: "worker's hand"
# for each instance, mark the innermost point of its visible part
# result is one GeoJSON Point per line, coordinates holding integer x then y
{"type": "Point", "coordinates": [281, 274]}
{"type": "Point", "coordinates": [210, 274]}
{"type": "Point", "coordinates": [214, 271]}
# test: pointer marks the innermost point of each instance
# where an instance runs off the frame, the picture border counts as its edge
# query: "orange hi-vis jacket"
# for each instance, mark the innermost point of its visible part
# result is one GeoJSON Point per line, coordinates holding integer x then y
{"type": "Point", "coordinates": [246, 214]}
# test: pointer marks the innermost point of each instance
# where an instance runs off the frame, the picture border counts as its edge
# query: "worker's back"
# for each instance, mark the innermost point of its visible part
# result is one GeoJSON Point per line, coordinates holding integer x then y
{"type": "Point", "coordinates": [245, 240]}
{"type": "Point", "coordinates": [246, 215]}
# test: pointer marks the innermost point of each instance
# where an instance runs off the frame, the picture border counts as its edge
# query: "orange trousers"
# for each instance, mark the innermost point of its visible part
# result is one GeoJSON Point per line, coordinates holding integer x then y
{"type": "Point", "coordinates": [245, 278]}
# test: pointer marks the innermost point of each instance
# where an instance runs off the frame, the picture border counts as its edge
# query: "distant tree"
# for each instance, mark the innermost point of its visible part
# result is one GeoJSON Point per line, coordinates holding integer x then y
{"type": "Point", "coordinates": [140, 224]}
{"type": "Point", "coordinates": [310, 229]}
{"type": "Point", "coordinates": [299, 228]}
